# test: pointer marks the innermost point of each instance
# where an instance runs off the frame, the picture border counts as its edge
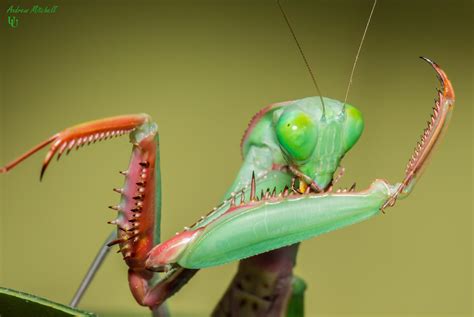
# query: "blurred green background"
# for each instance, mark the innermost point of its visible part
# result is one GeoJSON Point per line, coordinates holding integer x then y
{"type": "Point", "coordinates": [202, 69]}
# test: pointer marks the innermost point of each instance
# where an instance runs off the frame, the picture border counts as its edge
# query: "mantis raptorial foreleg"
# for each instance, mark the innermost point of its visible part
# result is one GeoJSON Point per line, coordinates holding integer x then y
{"type": "Point", "coordinates": [437, 126]}
{"type": "Point", "coordinates": [139, 211]}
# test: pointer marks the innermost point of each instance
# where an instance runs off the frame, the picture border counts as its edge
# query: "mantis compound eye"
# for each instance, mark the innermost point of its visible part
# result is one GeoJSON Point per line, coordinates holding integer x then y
{"type": "Point", "coordinates": [296, 133]}
{"type": "Point", "coordinates": [353, 126]}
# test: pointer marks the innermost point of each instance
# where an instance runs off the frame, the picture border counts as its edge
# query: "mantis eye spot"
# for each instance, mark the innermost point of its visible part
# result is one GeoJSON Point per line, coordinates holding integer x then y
{"type": "Point", "coordinates": [296, 133]}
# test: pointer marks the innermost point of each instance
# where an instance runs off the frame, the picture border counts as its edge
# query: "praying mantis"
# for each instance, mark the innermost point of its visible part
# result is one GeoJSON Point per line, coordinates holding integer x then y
{"type": "Point", "coordinates": [286, 170]}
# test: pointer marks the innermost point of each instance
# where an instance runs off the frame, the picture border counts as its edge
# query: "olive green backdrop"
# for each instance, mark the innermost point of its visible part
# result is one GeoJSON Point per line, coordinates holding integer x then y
{"type": "Point", "coordinates": [202, 69]}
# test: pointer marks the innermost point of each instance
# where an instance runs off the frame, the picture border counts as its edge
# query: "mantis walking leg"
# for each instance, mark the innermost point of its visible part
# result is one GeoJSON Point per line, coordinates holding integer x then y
{"type": "Point", "coordinates": [93, 268]}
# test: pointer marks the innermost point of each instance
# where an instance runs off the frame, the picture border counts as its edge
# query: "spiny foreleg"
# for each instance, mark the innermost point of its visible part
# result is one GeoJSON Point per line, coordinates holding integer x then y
{"type": "Point", "coordinates": [138, 221]}
{"type": "Point", "coordinates": [437, 125]}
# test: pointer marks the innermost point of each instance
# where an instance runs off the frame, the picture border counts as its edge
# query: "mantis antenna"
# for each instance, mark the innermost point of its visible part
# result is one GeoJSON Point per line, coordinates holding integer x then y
{"type": "Point", "coordinates": [357, 55]}
{"type": "Point", "coordinates": [304, 57]}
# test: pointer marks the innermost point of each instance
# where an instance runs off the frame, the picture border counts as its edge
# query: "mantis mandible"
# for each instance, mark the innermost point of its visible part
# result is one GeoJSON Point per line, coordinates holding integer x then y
{"type": "Point", "coordinates": [283, 193]}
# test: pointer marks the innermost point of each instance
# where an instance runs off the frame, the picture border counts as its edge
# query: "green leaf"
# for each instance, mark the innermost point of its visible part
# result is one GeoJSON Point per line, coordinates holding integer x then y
{"type": "Point", "coordinates": [14, 303]}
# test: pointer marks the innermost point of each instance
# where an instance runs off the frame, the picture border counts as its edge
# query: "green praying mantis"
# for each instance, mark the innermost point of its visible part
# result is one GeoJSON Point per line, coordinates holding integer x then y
{"type": "Point", "coordinates": [283, 194]}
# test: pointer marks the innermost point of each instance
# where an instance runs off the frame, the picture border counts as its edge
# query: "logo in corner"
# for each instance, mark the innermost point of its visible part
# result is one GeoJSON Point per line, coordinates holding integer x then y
{"type": "Point", "coordinates": [17, 10]}
{"type": "Point", "coordinates": [13, 21]}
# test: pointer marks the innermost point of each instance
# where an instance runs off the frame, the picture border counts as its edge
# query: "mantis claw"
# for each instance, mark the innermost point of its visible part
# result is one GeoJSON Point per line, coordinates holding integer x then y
{"type": "Point", "coordinates": [437, 125]}
{"type": "Point", "coordinates": [79, 135]}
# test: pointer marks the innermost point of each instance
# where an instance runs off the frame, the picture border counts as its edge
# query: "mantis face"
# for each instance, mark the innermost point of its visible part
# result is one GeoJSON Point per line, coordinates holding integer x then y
{"type": "Point", "coordinates": [306, 139]}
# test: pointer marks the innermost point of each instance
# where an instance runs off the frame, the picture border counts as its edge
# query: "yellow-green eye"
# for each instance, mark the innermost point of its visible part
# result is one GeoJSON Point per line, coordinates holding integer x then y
{"type": "Point", "coordinates": [296, 133]}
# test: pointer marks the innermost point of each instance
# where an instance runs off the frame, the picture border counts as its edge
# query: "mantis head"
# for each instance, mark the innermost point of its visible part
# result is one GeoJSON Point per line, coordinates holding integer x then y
{"type": "Point", "coordinates": [306, 139]}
